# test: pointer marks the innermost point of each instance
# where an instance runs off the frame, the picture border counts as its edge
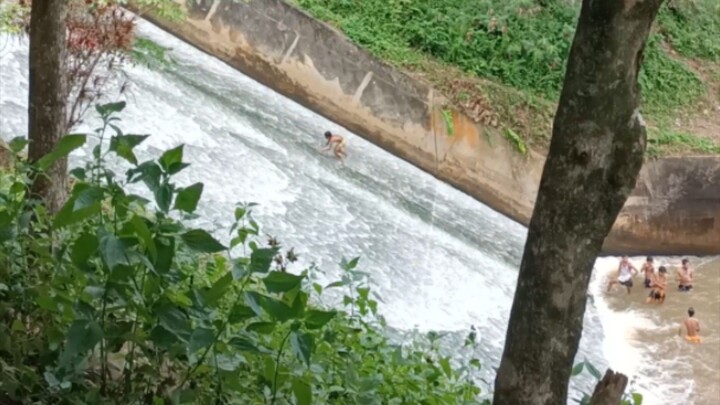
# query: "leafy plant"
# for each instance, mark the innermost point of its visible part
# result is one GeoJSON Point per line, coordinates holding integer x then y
{"type": "Point", "coordinates": [117, 300]}
{"type": "Point", "coordinates": [520, 45]}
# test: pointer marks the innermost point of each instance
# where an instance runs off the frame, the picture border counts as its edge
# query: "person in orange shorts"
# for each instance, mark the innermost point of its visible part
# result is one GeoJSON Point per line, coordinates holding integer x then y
{"type": "Point", "coordinates": [692, 326]}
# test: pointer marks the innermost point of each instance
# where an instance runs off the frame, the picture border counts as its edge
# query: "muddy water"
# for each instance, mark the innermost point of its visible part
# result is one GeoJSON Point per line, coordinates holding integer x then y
{"type": "Point", "coordinates": [644, 342]}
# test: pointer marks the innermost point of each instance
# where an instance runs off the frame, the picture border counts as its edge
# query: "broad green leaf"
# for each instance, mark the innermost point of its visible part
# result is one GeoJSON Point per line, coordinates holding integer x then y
{"type": "Point", "coordinates": [18, 143]}
{"type": "Point", "coordinates": [68, 215]}
{"type": "Point", "coordinates": [123, 146]}
{"type": "Point", "coordinates": [261, 259]}
{"type": "Point", "coordinates": [113, 251]}
{"type": "Point", "coordinates": [147, 172]}
{"type": "Point", "coordinates": [445, 364]}
{"type": "Point", "coordinates": [240, 313]}
{"type": "Point", "coordinates": [201, 338]}
{"type": "Point", "coordinates": [279, 282]}
{"type": "Point", "coordinates": [578, 369]}
{"type": "Point", "coordinates": [276, 309]}
{"type": "Point", "coordinates": [106, 109]}
{"type": "Point", "coordinates": [201, 241]}
{"type": "Point", "coordinates": [82, 337]}
{"type": "Point", "coordinates": [637, 398]}
{"type": "Point", "coordinates": [302, 345]}
{"type": "Point", "coordinates": [239, 213]}
{"type": "Point", "coordinates": [302, 391]}
{"type": "Point", "coordinates": [315, 319]}
{"type": "Point", "coordinates": [63, 148]}
{"type": "Point", "coordinates": [336, 284]}
{"type": "Point", "coordinates": [261, 327]}
{"type": "Point", "coordinates": [171, 158]}
{"type": "Point", "coordinates": [166, 253]}
{"type": "Point", "coordinates": [244, 344]}
{"type": "Point", "coordinates": [594, 371]}
{"type": "Point", "coordinates": [45, 301]}
{"type": "Point", "coordinates": [347, 266]}
{"type": "Point", "coordinates": [174, 321]}
{"type": "Point", "coordinates": [218, 290]}
{"type": "Point", "coordinates": [87, 197]}
{"type": "Point", "coordinates": [84, 247]}
{"type": "Point", "coordinates": [143, 232]}
{"type": "Point", "coordinates": [163, 196]}
{"type": "Point", "coordinates": [187, 198]}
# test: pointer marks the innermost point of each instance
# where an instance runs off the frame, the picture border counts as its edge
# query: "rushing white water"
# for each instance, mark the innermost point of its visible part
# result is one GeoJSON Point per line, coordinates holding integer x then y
{"type": "Point", "coordinates": [439, 259]}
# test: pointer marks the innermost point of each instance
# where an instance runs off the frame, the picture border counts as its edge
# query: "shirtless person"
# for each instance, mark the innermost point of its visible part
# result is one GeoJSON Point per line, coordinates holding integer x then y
{"type": "Point", "coordinates": [658, 285]}
{"type": "Point", "coordinates": [339, 142]}
{"type": "Point", "coordinates": [685, 276]}
{"type": "Point", "coordinates": [649, 269]}
{"type": "Point", "coordinates": [692, 326]}
{"type": "Point", "coordinates": [626, 270]}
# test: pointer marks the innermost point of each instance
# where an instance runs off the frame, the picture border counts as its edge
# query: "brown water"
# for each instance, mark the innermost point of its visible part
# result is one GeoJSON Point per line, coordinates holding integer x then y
{"type": "Point", "coordinates": [642, 339]}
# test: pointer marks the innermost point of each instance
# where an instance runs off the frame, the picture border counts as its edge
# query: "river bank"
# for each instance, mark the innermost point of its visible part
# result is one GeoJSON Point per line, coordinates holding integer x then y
{"type": "Point", "coordinates": [675, 209]}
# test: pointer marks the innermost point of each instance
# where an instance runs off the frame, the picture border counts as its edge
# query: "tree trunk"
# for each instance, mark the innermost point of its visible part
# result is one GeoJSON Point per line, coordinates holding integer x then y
{"type": "Point", "coordinates": [595, 155]}
{"type": "Point", "coordinates": [610, 389]}
{"type": "Point", "coordinates": [48, 96]}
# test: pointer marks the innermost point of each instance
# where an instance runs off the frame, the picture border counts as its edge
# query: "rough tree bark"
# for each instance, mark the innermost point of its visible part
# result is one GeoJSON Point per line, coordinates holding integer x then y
{"type": "Point", "coordinates": [595, 154]}
{"type": "Point", "coordinates": [48, 96]}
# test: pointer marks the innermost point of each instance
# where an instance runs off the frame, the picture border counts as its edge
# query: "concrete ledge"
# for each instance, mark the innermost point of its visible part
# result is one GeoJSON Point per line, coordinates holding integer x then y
{"type": "Point", "coordinates": [674, 210]}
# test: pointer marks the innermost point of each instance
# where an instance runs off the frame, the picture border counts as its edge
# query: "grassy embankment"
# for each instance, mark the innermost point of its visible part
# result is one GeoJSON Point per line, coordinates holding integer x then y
{"type": "Point", "coordinates": [502, 62]}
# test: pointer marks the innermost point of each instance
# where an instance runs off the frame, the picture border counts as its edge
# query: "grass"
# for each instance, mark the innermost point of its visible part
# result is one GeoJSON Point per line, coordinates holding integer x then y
{"type": "Point", "coordinates": [665, 141]}
{"type": "Point", "coordinates": [502, 62]}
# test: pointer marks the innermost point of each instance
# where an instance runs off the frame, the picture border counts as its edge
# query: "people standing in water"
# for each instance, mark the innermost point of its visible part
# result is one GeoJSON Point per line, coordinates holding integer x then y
{"type": "Point", "coordinates": [626, 270]}
{"type": "Point", "coordinates": [649, 269]}
{"type": "Point", "coordinates": [685, 276]}
{"type": "Point", "coordinates": [692, 327]}
{"type": "Point", "coordinates": [339, 145]}
{"type": "Point", "coordinates": [658, 284]}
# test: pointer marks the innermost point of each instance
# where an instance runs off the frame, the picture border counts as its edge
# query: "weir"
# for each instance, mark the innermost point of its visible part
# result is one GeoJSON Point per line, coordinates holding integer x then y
{"type": "Point", "coordinates": [674, 209]}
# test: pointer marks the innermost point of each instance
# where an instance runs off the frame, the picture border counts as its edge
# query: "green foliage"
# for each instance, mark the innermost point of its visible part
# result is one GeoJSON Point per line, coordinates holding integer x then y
{"type": "Point", "coordinates": [668, 139]}
{"type": "Point", "coordinates": [116, 300]}
{"type": "Point", "coordinates": [692, 27]}
{"type": "Point", "coordinates": [148, 53]}
{"type": "Point", "coordinates": [11, 17]}
{"type": "Point", "coordinates": [518, 42]}
{"type": "Point", "coordinates": [522, 47]}
{"type": "Point", "coordinates": [515, 140]}
{"type": "Point", "coordinates": [667, 83]}
{"type": "Point", "coordinates": [449, 123]}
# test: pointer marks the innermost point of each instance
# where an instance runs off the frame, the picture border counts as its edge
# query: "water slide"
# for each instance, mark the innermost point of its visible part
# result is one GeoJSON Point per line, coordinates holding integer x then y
{"type": "Point", "coordinates": [439, 259]}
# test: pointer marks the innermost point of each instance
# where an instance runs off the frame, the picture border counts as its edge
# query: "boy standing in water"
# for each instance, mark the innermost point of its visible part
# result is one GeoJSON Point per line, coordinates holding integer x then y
{"type": "Point", "coordinates": [649, 271]}
{"type": "Point", "coordinates": [658, 285]}
{"type": "Point", "coordinates": [626, 270]}
{"type": "Point", "coordinates": [692, 326]}
{"type": "Point", "coordinates": [685, 276]}
{"type": "Point", "coordinates": [339, 142]}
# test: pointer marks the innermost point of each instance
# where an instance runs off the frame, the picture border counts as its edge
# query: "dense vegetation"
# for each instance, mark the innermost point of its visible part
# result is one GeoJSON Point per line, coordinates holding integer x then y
{"type": "Point", "coordinates": [113, 301]}
{"type": "Point", "coordinates": [522, 45]}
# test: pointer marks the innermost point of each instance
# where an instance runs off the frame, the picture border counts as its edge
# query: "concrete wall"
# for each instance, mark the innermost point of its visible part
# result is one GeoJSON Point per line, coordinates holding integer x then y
{"type": "Point", "coordinates": [317, 66]}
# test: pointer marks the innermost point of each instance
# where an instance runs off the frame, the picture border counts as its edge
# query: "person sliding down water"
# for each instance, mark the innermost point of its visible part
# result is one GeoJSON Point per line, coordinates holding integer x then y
{"type": "Point", "coordinates": [692, 326]}
{"type": "Point", "coordinates": [339, 142]}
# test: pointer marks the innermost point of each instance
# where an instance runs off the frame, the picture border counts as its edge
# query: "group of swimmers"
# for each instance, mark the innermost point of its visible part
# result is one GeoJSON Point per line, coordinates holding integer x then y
{"type": "Point", "coordinates": [657, 283]}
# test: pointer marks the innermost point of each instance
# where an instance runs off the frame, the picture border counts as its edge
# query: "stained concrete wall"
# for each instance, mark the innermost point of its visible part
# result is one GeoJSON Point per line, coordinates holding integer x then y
{"type": "Point", "coordinates": [317, 66]}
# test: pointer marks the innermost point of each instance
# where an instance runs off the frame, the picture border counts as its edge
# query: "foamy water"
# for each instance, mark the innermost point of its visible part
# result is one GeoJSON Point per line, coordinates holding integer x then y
{"type": "Point", "coordinates": [439, 259]}
{"type": "Point", "coordinates": [641, 340]}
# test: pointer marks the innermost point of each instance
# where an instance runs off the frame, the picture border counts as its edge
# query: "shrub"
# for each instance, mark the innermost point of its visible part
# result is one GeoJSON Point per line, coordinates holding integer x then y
{"type": "Point", "coordinates": [117, 300]}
